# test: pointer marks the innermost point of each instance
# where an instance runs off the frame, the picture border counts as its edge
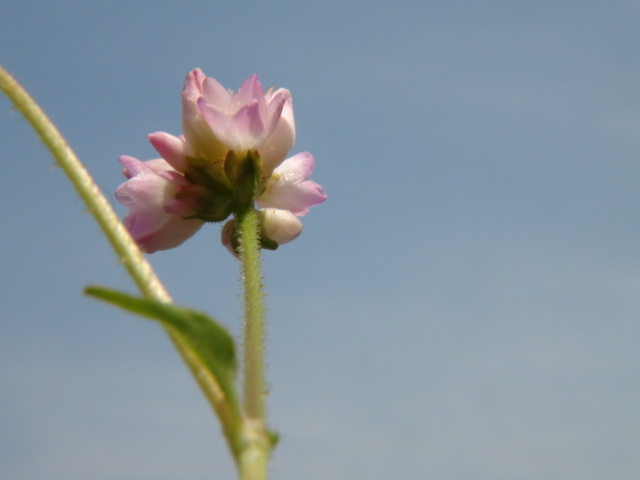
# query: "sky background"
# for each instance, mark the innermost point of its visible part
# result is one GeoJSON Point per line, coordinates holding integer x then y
{"type": "Point", "coordinates": [465, 305]}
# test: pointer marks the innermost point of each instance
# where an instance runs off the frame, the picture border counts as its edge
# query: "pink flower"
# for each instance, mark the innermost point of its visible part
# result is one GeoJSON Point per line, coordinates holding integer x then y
{"type": "Point", "coordinates": [230, 158]}
{"type": "Point", "coordinates": [216, 120]}
{"type": "Point", "coordinates": [288, 187]}
{"type": "Point", "coordinates": [157, 220]}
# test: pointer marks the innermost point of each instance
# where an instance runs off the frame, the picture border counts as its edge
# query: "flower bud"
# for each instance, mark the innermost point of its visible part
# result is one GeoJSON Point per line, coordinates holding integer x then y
{"type": "Point", "coordinates": [229, 238]}
{"type": "Point", "coordinates": [278, 226]}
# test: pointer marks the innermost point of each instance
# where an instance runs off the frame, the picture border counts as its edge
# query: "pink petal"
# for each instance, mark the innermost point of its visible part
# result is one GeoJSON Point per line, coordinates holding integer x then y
{"type": "Point", "coordinates": [250, 90]}
{"type": "Point", "coordinates": [289, 189]}
{"type": "Point", "coordinates": [191, 92]}
{"type": "Point", "coordinates": [145, 197]}
{"type": "Point", "coordinates": [216, 94]}
{"type": "Point", "coordinates": [275, 149]}
{"type": "Point", "coordinates": [149, 195]}
{"type": "Point", "coordinates": [274, 111]}
{"type": "Point", "coordinates": [297, 198]}
{"type": "Point", "coordinates": [171, 234]}
{"type": "Point", "coordinates": [133, 166]}
{"type": "Point", "coordinates": [200, 138]}
{"type": "Point", "coordinates": [172, 149]}
{"type": "Point", "coordinates": [247, 128]}
{"type": "Point", "coordinates": [296, 168]}
{"type": "Point", "coordinates": [218, 120]}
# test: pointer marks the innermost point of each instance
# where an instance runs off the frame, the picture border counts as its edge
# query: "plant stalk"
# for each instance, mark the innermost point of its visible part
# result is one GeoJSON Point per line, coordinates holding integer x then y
{"type": "Point", "coordinates": [125, 247]}
{"type": "Point", "coordinates": [254, 458]}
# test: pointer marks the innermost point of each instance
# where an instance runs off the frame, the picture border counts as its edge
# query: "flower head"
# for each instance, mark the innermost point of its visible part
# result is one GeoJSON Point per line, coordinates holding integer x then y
{"type": "Point", "coordinates": [230, 158]}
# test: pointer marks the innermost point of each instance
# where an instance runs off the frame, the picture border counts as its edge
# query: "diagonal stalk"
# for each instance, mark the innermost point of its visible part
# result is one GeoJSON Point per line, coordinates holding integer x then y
{"type": "Point", "coordinates": [125, 247]}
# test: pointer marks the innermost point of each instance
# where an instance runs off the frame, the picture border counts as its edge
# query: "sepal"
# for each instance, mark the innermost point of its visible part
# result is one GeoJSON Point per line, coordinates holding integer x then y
{"type": "Point", "coordinates": [243, 174]}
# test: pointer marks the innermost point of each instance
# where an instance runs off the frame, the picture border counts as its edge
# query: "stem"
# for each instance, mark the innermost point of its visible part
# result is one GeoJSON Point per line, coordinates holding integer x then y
{"type": "Point", "coordinates": [254, 457]}
{"type": "Point", "coordinates": [254, 388]}
{"type": "Point", "coordinates": [126, 248]}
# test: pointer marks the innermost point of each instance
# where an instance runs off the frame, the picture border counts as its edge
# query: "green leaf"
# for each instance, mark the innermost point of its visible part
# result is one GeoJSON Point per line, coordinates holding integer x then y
{"type": "Point", "coordinates": [206, 339]}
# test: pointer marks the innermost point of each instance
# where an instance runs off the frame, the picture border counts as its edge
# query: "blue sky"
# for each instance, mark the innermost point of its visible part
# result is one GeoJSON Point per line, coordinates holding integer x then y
{"type": "Point", "coordinates": [465, 304]}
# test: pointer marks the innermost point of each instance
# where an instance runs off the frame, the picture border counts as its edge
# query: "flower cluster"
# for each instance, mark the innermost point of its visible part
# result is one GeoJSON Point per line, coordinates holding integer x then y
{"type": "Point", "coordinates": [231, 157]}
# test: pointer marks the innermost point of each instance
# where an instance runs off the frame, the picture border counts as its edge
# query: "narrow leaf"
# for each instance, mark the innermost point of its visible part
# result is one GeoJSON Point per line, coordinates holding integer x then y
{"type": "Point", "coordinates": [207, 339]}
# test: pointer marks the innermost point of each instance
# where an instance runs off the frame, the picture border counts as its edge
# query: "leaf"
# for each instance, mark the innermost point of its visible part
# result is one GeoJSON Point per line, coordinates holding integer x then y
{"type": "Point", "coordinates": [210, 342]}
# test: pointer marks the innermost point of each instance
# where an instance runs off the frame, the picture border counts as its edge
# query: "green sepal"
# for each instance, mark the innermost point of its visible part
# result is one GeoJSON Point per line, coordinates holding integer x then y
{"type": "Point", "coordinates": [244, 174]}
{"type": "Point", "coordinates": [208, 340]}
{"type": "Point", "coordinates": [211, 195]}
{"type": "Point", "coordinates": [217, 209]}
{"type": "Point", "coordinates": [208, 174]}
{"type": "Point", "coordinates": [274, 438]}
{"type": "Point", "coordinates": [267, 243]}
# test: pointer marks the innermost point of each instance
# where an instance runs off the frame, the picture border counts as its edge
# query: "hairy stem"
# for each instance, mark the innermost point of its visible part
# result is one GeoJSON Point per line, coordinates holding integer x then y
{"type": "Point", "coordinates": [255, 455]}
{"type": "Point", "coordinates": [125, 247]}
{"type": "Point", "coordinates": [254, 387]}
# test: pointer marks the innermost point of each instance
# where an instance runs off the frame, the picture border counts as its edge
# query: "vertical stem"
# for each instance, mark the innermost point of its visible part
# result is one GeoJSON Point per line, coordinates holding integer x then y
{"type": "Point", "coordinates": [253, 460]}
{"type": "Point", "coordinates": [254, 385]}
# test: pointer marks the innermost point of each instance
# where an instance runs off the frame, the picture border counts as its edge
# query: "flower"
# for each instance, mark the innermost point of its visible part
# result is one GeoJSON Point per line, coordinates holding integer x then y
{"type": "Point", "coordinates": [215, 120]}
{"type": "Point", "coordinates": [230, 159]}
{"type": "Point", "coordinates": [157, 219]}
{"type": "Point", "coordinates": [288, 187]}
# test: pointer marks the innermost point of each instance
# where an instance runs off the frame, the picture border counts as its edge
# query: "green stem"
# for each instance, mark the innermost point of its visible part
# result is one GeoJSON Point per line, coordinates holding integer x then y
{"type": "Point", "coordinates": [126, 248]}
{"type": "Point", "coordinates": [255, 455]}
{"type": "Point", "coordinates": [254, 388]}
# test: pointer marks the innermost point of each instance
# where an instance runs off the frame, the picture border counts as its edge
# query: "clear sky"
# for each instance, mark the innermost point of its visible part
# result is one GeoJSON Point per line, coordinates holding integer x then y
{"type": "Point", "coordinates": [466, 303]}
